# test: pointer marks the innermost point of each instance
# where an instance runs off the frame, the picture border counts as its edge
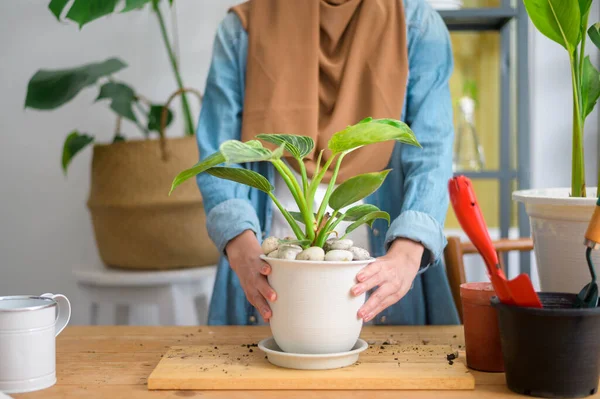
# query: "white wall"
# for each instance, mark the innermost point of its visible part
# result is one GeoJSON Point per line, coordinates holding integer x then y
{"type": "Point", "coordinates": [45, 229]}
{"type": "Point", "coordinates": [44, 226]}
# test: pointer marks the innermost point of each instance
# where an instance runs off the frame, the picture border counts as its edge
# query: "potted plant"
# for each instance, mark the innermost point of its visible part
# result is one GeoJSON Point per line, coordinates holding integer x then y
{"type": "Point", "coordinates": [312, 272]}
{"type": "Point", "coordinates": [135, 225]}
{"type": "Point", "coordinates": [559, 216]}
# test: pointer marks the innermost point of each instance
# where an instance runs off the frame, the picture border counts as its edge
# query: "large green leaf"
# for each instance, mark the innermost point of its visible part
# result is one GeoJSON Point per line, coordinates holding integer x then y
{"type": "Point", "coordinates": [356, 188]}
{"type": "Point", "coordinates": [56, 7]}
{"type": "Point", "coordinates": [49, 89]}
{"type": "Point", "coordinates": [154, 116]}
{"type": "Point", "coordinates": [134, 4]}
{"type": "Point", "coordinates": [358, 211]}
{"type": "Point", "coordinates": [85, 11]}
{"type": "Point", "coordinates": [122, 98]}
{"type": "Point", "coordinates": [369, 219]}
{"type": "Point", "coordinates": [371, 131]}
{"type": "Point", "coordinates": [74, 143]}
{"type": "Point", "coordinates": [558, 20]}
{"type": "Point", "coordinates": [236, 151]}
{"type": "Point", "coordinates": [211, 161]}
{"type": "Point", "coordinates": [594, 34]}
{"type": "Point", "coordinates": [298, 146]}
{"type": "Point", "coordinates": [244, 176]}
{"type": "Point", "coordinates": [590, 86]}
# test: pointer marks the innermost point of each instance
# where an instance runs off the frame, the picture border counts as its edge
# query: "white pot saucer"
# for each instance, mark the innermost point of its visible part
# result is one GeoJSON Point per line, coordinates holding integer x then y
{"type": "Point", "coordinates": [310, 362]}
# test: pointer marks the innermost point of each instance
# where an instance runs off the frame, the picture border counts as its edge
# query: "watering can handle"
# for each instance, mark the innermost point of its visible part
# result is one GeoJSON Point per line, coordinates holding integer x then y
{"type": "Point", "coordinates": [592, 235]}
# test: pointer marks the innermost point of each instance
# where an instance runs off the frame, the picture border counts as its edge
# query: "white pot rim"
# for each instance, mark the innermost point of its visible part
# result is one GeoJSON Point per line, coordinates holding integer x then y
{"type": "Point", "coordinates": [294, 262]}
{"type": "Point", "coordinates": [555, 196]}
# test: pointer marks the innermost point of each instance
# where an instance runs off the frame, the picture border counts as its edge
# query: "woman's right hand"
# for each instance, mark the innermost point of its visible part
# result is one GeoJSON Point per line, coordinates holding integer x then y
{"type": "Point", "coordinates": [244, 253]}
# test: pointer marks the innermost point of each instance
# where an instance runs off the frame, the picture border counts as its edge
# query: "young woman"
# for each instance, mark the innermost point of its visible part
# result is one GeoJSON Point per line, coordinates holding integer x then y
{"type": "Point", "coordinates": [312, 67]}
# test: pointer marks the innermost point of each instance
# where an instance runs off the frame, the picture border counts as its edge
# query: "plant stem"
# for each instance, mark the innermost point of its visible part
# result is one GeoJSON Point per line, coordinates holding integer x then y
{"type": "Point", "coordinates": [297, 230]}
{"type": "Point", "coordinates": [578, 166]}
{"type": "Point", "coordinates": [304, 177]}
{"type": "Point", "coordinates": [329, 226]}
{"type": "Point", "coordinates": [294, 187]}
{"type": "Point", "coordinates": [184, 102]}
{"type": "Point", "coordinates": [325, 201]}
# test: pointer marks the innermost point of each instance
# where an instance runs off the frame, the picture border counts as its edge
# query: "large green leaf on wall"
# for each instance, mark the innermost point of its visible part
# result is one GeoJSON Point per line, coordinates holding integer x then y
{"type": "Point", "coordinates": [49, 89]}
{"type": "Point", "coordinates": [590, 87]}
{"type": "Point", "coordinates": [559, 20]}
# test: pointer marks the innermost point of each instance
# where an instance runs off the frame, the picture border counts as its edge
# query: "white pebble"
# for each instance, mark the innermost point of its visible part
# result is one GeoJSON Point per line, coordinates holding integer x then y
{"type": "Point", "coordinates": [273, 254]}
{"type": "Point", "coordinates": [344, 244]}
{"type": "Point", "coordinates": [359, 253]}
{"type": "Point", "coordinates": [270, 244]}
{"type": "Point", "coordinates": [312, 253]}
{"type": "Point", "coordinates": [338, 255]}
{"type": "Point", "coordinates": [288, 251]}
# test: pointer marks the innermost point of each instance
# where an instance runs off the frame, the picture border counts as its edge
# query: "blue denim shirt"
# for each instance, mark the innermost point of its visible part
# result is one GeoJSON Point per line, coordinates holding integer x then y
{"type": "Point", "coordinates": [414, 193]}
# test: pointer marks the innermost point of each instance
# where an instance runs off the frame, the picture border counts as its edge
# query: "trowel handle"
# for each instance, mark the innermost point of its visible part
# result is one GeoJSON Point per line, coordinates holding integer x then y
{"type": "Point", "coordinates": [592, 235]}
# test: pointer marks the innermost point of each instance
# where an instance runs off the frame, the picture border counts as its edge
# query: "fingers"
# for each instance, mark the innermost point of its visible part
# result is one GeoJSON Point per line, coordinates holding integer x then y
{"type": "Point", "coordinates": [265, 270]}
{"type": "Point", "coordinates": [369, 271]}
{"type": "Point", "coordinates": [259, 302]}
{"type": "Point", "coordinates": [265, 289]}
{"type": "Point", "coordinates": [383, 304]}
{"type": "Point", "coordinates": [365, 286]}
{"type": "Point", "coordinates": [386, 295]}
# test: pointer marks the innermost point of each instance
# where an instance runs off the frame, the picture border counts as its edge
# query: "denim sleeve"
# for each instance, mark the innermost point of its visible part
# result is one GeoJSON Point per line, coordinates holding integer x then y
{"type": "Point", "coordinates": [229, 211]}
{"type": "Point", "coordinates": [429, 114]}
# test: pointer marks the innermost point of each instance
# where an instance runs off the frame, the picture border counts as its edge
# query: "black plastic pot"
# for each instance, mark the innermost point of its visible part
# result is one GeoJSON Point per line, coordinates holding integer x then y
{"type": "Point", "coordinates": [552, 352]}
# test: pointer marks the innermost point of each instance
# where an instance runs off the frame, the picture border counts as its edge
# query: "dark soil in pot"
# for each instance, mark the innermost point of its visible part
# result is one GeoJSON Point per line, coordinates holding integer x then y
{"type": "Point", "coordinates": [552, 352]}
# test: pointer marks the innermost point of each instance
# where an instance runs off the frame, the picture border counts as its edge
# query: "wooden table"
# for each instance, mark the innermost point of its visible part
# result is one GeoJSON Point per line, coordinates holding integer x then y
{"type": "Point", "coordinates": [114, 362]}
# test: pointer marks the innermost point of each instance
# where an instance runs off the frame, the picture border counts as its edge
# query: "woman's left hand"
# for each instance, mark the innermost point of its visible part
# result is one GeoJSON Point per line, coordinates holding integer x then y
{"type": "Point", "coordinates": [393, 273]}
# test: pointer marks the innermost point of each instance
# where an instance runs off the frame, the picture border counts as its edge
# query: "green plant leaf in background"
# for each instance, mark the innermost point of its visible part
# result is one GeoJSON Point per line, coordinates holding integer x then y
{"type": "Point", "coordinates": [590, 87]}
{"type": "Point", "coordinates": [211, 161]}
{"type": "Point", "coordinates": [358, 211]}
{"type": "Point", "coordinates": [369, 219]}
{"type": "Point", "coordinates": [236, 151]}
{"type": "Point", "coordinates": [74, 143]}
{"type": "Point", "coordinates": [49, 89]}
{"type": "Point", "coordinates": [243, 176]}
{"type": "Point", "coordinates": [356, 188]}
{"type": "Point", "coordinates": [122, 98]}
{"type": "Point", "coordinates": [134, 5]}
{"type": "Point", "coordinates": [594, 34]}
{"type": "Point", "coordinates": [370, 132]}
{"type": "Point", "coordinates": [558, 20]}
{"type": "Point", "coordinates": [85, 11]}
{"type": "Point", "coordinates": [584, 8]}
{"type": "Point", "coordinates": [56, 7]}
{"type": "Point", "coordinates": [154, 116]}
{"type": "Point", "coordinates": [298, 146]}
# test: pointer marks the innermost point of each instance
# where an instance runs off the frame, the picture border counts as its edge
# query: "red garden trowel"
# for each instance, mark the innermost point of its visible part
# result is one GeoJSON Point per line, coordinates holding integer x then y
{"type": "Point", "coordinates": [518, 291]}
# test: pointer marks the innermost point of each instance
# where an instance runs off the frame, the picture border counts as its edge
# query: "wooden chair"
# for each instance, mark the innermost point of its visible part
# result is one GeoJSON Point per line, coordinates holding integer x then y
{"type": "Point", "coordinates": [455, 267]}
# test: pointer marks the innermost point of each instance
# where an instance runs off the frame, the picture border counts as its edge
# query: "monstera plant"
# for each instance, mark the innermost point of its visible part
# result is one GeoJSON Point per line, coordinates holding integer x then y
{"type": "Point", "coordinates": [136, 226]}
{"type": "Point", "coordinates": [51, 89]}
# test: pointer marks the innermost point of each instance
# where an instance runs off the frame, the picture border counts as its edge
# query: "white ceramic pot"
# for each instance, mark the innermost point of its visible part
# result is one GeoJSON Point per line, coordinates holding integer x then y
{"type": "Point", "coordinates": [315, 312]}
{"type": "Point", "coordinates": [558, 225]}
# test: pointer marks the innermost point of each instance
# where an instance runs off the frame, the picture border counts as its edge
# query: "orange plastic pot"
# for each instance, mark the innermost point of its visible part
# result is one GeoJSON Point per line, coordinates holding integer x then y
{"type": "Point", "coordinates": [482, 336]}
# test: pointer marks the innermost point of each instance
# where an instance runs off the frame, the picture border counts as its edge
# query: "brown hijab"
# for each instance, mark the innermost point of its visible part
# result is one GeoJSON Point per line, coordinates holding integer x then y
{"type": "Point", "coordinates": [317, 66]}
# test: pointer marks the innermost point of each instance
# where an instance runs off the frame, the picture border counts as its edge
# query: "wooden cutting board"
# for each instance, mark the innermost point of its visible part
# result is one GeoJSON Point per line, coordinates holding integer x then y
{"type": "Point", "coordinates": [233, 367]}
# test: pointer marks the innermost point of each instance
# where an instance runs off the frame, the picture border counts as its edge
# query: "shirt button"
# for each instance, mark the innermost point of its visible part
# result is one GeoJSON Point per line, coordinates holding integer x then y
{"type": "Point", "coordinates": [252, 319]}
{"type": "Point", "coordinates": [264, 234]}
{"type": "Point", "coordinates": [383, 319]}
{"type": "Point", "coordinates": [375, 232]}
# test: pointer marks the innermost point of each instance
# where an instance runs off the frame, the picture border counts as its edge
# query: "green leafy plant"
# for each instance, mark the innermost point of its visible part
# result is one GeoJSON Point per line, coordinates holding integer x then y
{"type": "Point", "coordinates": [51, 89]}
{"type": "Point", "coordinates": [318, 224]}
{"type": "Point", "coordinates": [565, 22]}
